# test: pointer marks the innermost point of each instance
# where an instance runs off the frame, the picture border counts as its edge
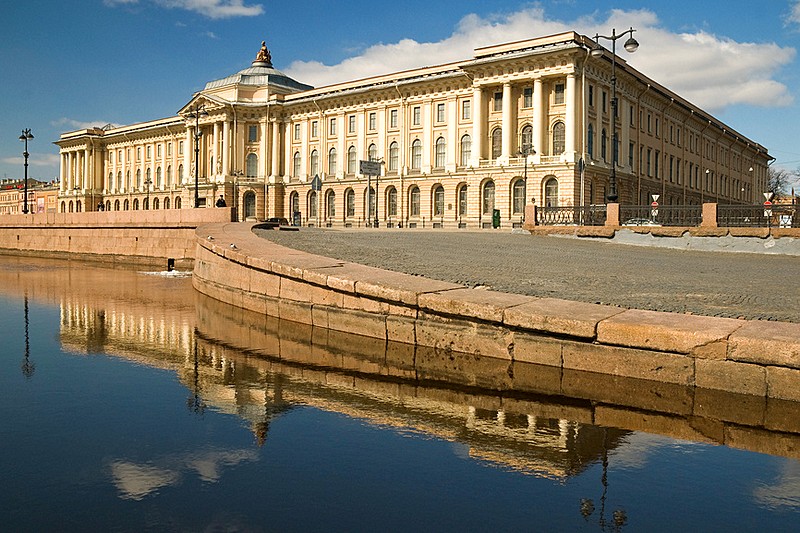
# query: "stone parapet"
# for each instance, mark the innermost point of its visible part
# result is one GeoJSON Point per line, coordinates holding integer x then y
{"type": "Point", "coordinates": [462, 327]}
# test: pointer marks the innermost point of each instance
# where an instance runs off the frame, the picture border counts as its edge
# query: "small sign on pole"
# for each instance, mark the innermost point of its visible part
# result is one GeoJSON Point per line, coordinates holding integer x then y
{"type": "Point", "coordinates": [369, 168]}
{"type": "Point", "coordinates": [316, 183]}
{"type": "Point", "coordinates": [767, 208]}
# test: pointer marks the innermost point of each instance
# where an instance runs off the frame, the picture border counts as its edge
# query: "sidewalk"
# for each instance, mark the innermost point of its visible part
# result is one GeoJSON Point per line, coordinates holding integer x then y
{"type": "Point", "coordinates": [733, 285]}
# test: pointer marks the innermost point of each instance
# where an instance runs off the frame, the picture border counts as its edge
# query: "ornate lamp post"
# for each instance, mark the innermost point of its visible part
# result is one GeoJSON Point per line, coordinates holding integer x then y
{"type": "Point", "coordinates": [198, 111]}
{"type": "Point", "coordinates": [26, 135]}
{"type": "Point", "coordinates": [631, 45]}
{"type": "Point", "coordinates": [147, 184]}
{"type": "Point", "coordinates": [525, 151]}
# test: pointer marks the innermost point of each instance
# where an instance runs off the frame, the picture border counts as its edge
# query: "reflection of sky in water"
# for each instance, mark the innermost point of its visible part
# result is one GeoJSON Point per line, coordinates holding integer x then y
{"type": "Point", "coordinates": [784, 492]}
{"type": "Point", "coordinates": [135, 481]}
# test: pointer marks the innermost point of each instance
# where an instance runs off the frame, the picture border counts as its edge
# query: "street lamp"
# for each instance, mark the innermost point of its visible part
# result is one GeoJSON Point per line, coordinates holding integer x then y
{"type": "Point", "coordinates": [525, 151]}
{"type": "Point", "coordinates": [26, 135]}
{"type": "Point", "coordinates": [631, 45]}
{"type": "Point", "coordinates": [147, 183]}
{"type": "Point", "coordinates": [198, 111]}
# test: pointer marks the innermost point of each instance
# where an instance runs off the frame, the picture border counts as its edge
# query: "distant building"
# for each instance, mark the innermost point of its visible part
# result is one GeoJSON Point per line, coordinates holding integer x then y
{"type": "Point", "coordinates": [42, 197]}
{"type": "Point", "coordinates": [518, 122]}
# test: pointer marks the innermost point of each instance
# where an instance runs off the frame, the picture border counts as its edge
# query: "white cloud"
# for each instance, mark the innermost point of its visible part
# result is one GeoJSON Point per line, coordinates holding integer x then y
{"type": "Point", "coordinates": [34, 160]}
{"type": "Point", "coordinates": [80, 124]}
{"type": "Point", "coordinates": [216, 9]}
{"type": "Point", "coordinates": [794, 13]}
{"type": "Point", "coordinates": [710, 71]}
{"type": "Point", "coordinates": [213, 9]}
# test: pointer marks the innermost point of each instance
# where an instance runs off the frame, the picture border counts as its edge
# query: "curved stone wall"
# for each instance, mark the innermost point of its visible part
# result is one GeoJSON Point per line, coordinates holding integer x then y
{"type": "Point", "coordinates": [468, 327]}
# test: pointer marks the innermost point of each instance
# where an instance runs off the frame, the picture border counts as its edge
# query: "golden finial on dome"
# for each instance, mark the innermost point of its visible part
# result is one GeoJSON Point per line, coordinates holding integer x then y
{"type": "Point", "coordinates": [263, 55]}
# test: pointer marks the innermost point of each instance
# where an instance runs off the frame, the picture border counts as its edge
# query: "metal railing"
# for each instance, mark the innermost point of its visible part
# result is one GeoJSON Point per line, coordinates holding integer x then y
{"type": "Point", "coordinates": [664, 215]}
{"type": "Point", "coordinates": [756, 216]}
{"type": "Point", "coordinates": [588, 215]}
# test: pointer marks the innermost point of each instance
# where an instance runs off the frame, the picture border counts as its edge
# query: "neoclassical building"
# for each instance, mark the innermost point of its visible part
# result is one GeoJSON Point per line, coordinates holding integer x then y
{"type": "Point", "coordinates": [518, 123]}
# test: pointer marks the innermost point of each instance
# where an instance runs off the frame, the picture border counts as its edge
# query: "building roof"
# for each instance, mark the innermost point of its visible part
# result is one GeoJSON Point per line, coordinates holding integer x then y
{"type": "Point", "coordinates": [259, 73]}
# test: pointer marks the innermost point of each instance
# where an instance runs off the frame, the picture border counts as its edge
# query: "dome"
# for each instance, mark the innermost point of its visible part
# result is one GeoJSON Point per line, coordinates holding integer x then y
{"type": "Point", "coordinates": [260, 73]}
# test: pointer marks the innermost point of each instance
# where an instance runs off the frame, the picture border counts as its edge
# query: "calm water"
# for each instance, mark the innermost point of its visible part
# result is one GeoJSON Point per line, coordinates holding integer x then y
{"type": "Point", "coordinates": [128, 402]}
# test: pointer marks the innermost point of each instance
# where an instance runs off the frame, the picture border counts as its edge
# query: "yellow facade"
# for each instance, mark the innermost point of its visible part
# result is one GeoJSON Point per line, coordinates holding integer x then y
{"type": "Point", "coordinates": [519, 123]}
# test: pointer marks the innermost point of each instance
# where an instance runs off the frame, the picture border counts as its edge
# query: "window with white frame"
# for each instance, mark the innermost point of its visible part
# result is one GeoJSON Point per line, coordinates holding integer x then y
{"type": "Point", "coordinates": [394, 156]}
{"type": "Point", "coordinates": [414, 201]}
{"type": "Point", "coordinates": [438, 201]}
{"type": "Point", "coordinates": [416, 116]}
{"type": "Point", "coordinates": [373, 121]}
{"type": "Point", "coordinates": [393, 118]}
{"type": "Point", "coordinates": [332, 127]}
{"type": "Point", "coordinates": [527, 97]}
{"type": "Point", "coordinates": [559, 94]}
{"type": "Point", "coordinates": [332, 161]}
{"type": "Point", "coordinates": [466, 149]}
{"type": "Point", "coordinates": [351, 160]}
{"type": "Point", "coordinates": [498, 101]}
{"type": "Point", "coordinates": [416, 154]}
{"type": "Point", "coordinates": [440, 113]}
{"type": "Point", "coordinates": [440, 152]}
{"type": "Point", "coordinates": [351, 124]}
{"type": "Point", "coordinates": [466, 110]}
{"type": "Point", "coordinates": [252, 133]}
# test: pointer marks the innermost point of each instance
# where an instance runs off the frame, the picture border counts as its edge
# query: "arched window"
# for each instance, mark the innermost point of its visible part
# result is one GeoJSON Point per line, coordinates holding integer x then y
{"type": "Point", "coordinates": [488, 198]}
{"type": "Point", "coordinates": [78, 206]}
{"type": "Point", "coordinates": [466, 150]}
{"type": "Point", "coordinates": [330, 202]}
{"type": "Point", "coordinates": [551, 193]}
{"type": "Point", "coordinates": [296, 164]}
{"type": "Point", "coordinates": [369, 203]}
{"type": "Point", "coordinates": [351, 160]}
{"type": "Point", "coordinates": [138, 178]}
{"type": "Point", "coordinates": [166, 203]}
{"type": "Point", "coordinates": [155, 203]}
{"type": "Point", "coordinates": [119, 183]}
{"type": "Point", "coordinates": [314, 162]}
{"type": "Point", "coordinates": [108, 205]}
{"type": "Point", "coordinates": [158, 178]}
{"type": "Point", "coordinates": [177, 203]}
{"type": "Point", "coordinates": [518, 197]}
{"type": "Point", "coordinates": [294, 204]}
{"type": "Point", "coordinates": [312, 204]}
{"type": "Point", "coordinates": [526, 140]}
{"type": "Point", "coordinates": [559, 138]}
{"type": "Point", "coordinates": [394, 156]}
{"type": "Point", "coordinates": [128, 181]}
{"type": "Point", "coordinates": [603, 145]}
{"type": "Point", "coordinates": [169, 178]}
{"type": "Point", "coordinates": [149, 180]}
{"type": "Point", "coordinates": [332, 162]}
{"type": "Point", "coordinates": [416, 154]}
{"type": "Point", "coordinates": [135, 204]}
{"type": "Point", "coordinates": [350, 203]}
{"type": "Point", "coordinates": [590, 141]}
{"type": "Point", "coordinates": [180, 173]}
{"type": "Point", "coordinates": [497, 143]}
{"type": "Point", "coordinates": [372, 152]}
{"type": "Point", "coordinates": [438, 201]}
{"type": "Point", "coordinates": [462, 200]}
{"type": "Point", "coordinates": [110, 182]}
{"type": "Point", "coordinates": [146, 204]}
{"type": "Point", "coordinates": [251, 165]}
{"type": "Point", "coordinates": [440, 152]}
{"type": "Point", "coordinates": [63, 207]}
{"type": "Point", "coordinates": [413, 201]}
{"type": "Point", "coordinates": [391, 202]}
{"type": "Point", "coordinates": [126, 205]}
{"type": "Point", "coordinates": [249, 204]}
{"type": "Point", "coordinates": [116, 205]}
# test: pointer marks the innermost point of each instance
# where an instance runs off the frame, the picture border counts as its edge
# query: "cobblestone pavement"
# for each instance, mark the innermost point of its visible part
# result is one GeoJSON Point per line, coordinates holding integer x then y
{"type": "Point", "coordinates": [735, 285]}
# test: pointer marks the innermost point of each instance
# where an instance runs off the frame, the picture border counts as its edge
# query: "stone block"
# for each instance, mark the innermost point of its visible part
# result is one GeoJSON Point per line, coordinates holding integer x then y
{"type": "Point", "coordinates": [399, 288]}
{"type": "Point", "coordinates": [628, 362]}
{"type": "Point", "coordinates": [295, 311]}
{"type": "Point", "coordinates": [400, 360]}
{"type": "Point", "coordinates": [766, 343]}
{"type": "Point", "coordinates": [783, 383]}
{"type": "Point", "coordinates": [668, 332]}
{"type": "Point", "coordinates": [559, 317]}
{"type": "Point", "coordinates": [444, 364]}
{"type": "Point", "coordinates": [762, 233]}
{"type": "Point", "coordinates": [763, 441]}
{"type": "Point", "coordinates": [740, 378]}
{"type": "Point", "coordinates": [782, 415]}
{"type": "Point", "coordinates": [449, 334]}
{"type": "Point", "coordinates": [537, 379]}
{"type": "Point", "coordinates": [358, 323]}
{"type": "Point", "coordinates": [541, 350]}
{"type": "Point", "coordinates": [729, 407]}
{"type": "Point", "coordinates": [471, 303]}
{"type": "Point", "coordinates": [667, 232]}
{"type": "Point", "coordinates": [628, 392]}
{"type": "Point", "coordinates": [359, 303]}
{"type": "Point", "coordinates": [401, 329]}
{"type": "Point", "coordinates": [677, 427]}
{"type": "Point", "coordinates": [265, 283]}
{"type": "Point", "coordinates": [595, 231]}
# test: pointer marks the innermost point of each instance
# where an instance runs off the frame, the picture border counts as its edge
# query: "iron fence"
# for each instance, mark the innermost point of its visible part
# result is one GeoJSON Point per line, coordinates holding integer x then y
{"type": "Point", "coordinates": [756, 216]}
{"type": "Point", "coordinates": [663, 215]}
{"type": "Point", "coordinates": [587, 215]}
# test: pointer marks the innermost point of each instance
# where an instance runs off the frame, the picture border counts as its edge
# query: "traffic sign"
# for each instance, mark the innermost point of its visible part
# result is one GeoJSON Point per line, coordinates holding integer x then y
{"type": "Point", "coordinates": [369, 168]}
{"type": "Point", "coordinates": [316, 183]}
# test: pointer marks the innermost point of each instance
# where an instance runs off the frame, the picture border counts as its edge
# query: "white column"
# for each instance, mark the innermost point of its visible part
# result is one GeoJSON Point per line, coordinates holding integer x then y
{"type": "Point", "coordinates": [304, 135]}
{"type": "Point", "coordinates": [63, 173]}
{"type": "Point", "coordinates": [226, 149]}
{"type": "Point", "coordinates": [215, 151]}
{"type": "Point", "coordinates": [361, 143]}
{"type": "Point", "coordinates": [538, 116]}
{"type": "Point", "coordinates": [264, 153]}
{"type": "Point", "coordinates": [427, 137]}
{"type": "Point", "coordinates": [276, 149]}
{"type": "Point", "coordinates": [451, 159]}
{"type": "Point", "coordinates": [188, 150]}
{"type": "Point", "coordinates": [85, 182]}
{"type": "Point", "coordinates": [477, 126]}
{"type": "Point", "coordinates": [571, 99]}
{"type": "Point", "coordinates": [341, 146]}
{"type": "Point", "coordinates": [508, 121]}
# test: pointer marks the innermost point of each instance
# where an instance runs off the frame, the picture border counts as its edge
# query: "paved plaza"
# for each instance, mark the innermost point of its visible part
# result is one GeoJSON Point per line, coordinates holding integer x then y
{"type": "Point", "coordinates": [734, 285]}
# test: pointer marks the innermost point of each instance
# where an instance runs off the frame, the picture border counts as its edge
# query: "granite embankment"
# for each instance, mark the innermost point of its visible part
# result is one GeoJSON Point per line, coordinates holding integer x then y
{"type": "Point", "coordinates": [468, 325]}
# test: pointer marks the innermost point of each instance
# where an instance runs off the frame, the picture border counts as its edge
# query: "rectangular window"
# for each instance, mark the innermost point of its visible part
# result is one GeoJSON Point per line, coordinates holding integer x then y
{"type": "Point", "coordinates": [605, 102]}
{"type": "Point", "coordinates": [633, 115]}
{"type": "Point", "coordinates": [252, 133]}
{"type": "Point", "coordinates": [351, 124]}
{"type": "Point", "coordinates": [658, 127]}
{"type": "Point", "coordinates": [631, 148]}
{"type": "Point", "coordinates": [559, 96]}
{"type": "Point", "coordinates": [332, 127]}
{"type": "Point", "coordinates": [416, 116]}
{"type": "Point", "coordinates": [158, 150]}
{"type": "Point", "coordinates": [169, 149]}
{"type": "Point", "coordinates": [439, 112]}
{"type": "Point", "coordinates": [373, 121]}
{"type": "Point", "coordinates": [498, 101]}
{"type": "Point", "coordinates": [466, 110]}
{"type": "Point", "coordinates": [393, 118]}
{"type": "Point", "coordinates": [297, 132]}
{"type": "Point", "coordinates": [138, 153]}
{"type": "Point", "coordinates": [149, 152]}
{"type": "Point", "coordinates": [527, 96]}
{"type": "Point", "coordinates": [649, 123]}
{"type": "Point", "coordinates": [314, 129]}
{"type": "Point", "coordinates": [591, 95]}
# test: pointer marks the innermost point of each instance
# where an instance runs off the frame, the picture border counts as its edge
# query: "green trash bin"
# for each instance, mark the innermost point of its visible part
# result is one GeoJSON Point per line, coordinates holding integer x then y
{"type": "Point", "coordinates": [496, 218]}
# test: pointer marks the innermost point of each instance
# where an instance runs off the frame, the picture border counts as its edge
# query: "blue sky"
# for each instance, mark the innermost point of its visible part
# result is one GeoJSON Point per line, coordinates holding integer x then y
{"type": "Point", "coordinates": [68, 65]}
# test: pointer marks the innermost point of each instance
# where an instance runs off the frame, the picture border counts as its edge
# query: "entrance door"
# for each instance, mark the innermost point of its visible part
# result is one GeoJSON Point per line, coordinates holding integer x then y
{"type": "Point", "coordinates": [249, 205]}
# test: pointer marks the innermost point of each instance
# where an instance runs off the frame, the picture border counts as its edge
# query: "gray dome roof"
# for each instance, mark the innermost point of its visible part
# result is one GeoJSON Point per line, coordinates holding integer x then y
{"type": "Point", "coordinates": [259, 74]}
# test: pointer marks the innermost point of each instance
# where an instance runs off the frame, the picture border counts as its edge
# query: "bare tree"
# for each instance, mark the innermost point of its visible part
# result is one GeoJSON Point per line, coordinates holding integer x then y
{"type": "Point", "coordinates": [781, 180]}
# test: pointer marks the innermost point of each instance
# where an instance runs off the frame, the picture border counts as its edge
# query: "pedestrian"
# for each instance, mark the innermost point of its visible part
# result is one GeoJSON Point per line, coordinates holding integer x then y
{"type": "Point", "coordinates": [221, 201]}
